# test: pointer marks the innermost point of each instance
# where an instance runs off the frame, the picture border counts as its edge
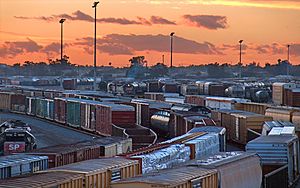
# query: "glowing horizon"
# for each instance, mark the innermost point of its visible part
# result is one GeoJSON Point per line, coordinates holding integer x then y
{"type": "Point", "coordinates": [206, 31]}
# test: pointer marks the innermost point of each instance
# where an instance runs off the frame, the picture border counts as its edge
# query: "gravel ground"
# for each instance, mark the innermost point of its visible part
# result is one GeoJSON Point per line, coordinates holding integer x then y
{"type": "Point", "coordinates": [48, 133]}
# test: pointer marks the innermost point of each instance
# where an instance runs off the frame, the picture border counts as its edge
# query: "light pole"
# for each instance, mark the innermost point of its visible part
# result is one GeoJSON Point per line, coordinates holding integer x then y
{"type": "Point", "coordinates": [171, 36]}
{"type": "Point", "coordinates": [61, 21]}
{"type": "Point", "coordinates": [95, 44]}
{"type": "Point", "coordinates": [241, 41]}
{"type": "Point", "coordinates": [288, 52]}
{"type": "Point", "coordinates": [288, 58]}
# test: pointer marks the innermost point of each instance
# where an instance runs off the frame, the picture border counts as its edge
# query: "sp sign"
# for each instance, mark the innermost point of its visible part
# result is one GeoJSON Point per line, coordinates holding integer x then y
{"type": "Point", "coordinates": [14, 147]}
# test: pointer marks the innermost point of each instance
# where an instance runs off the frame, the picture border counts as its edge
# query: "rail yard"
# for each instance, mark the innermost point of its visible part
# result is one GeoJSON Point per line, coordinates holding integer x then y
{"type": "Point", "coordinates": [162, 136]}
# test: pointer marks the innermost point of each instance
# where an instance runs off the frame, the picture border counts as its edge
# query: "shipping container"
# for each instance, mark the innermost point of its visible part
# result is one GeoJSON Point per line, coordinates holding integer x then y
{"type": "Point", "coordinates": [222, 118]}
{"type": "Point", "coordinates": [278, 150]}
{"type": "Point", "coordinates": [189, 89]}
{"type": "Point", "coordinates": [277, 177]}
{"type": "Point", "coordinates": [5, 101]}
{"type": "Point", "coordinates": [241, 122]}
{"type": "Point", "coordinates": [92, 115]}
{"type": "Point", "coordinates": [31, 105]}
{"type": "Point", "coordinates": [12, 102]}
{"type": "Point", "coordinates": [178, 123]}
{"type": "Point", "coordinates": [69, 84]}
{"type": "Point", "coordinates": [296, 120]}
{"type": "Point", "coordinates": [142, 113]}
{"type": "Point", "coordinates": [188, 177]}
{"type": "Point", "coordinates": [60, 110]}
{"type": "Point", "coordinates": [198, 100]}
{"type": "Point", "coordinates": [46, 180]}
{"type": "Point", "coordinates": [217, 90]}
{"type": "Point", "coordinates": [213, 129]}
{"type": "Point", "coordinates": [235, 169]}
{"type": "Point", "coordinates": [292, 97]}
{"type": "Point", "coordinates": [71, 153]}
{"type": "Point", "coordinates": [162, 158]}
{"type": "Point", "coordinates": [154, 96]}
{"type": "Point", "coordinates": [259, 108]}
{"type": "Point", "coordinates": [204, 145]}
{"type": "Point", "coordinates": [200, 85]}
{"type": "Point", "coordinates": [100, 173]}
{"type": "Point", "coordinates": [18, 103]}
{"type": "Point", "coordinates": [269, 125]}
{"type": "Point", "coordinates": [153, 87]}
{"type": "Point", "coordinates": [170, 88]}
{"type": "Point", "coordinates": [280, 113]}
{"type": "Point", "coordinates": [21, 164]}
{"type": "Point", "coordinates": [73, 113]}
{"type": "Point", "coordinates": [223, 102]}
{"type": "Point", "coordinates": [206, 87]}
{"type": "Point", "coordinates": [278, 92]}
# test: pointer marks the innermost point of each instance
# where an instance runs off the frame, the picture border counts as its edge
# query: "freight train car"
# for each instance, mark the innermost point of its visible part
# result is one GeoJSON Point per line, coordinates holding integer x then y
{"type": "Point", "coordinates": [16, 140]}
{"type": "Point", "coordinates": [12, 102]}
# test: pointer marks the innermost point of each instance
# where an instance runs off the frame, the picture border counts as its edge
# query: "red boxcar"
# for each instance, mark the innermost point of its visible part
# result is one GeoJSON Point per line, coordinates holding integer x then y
{"type": "Point", "coordinates": [60, 110]}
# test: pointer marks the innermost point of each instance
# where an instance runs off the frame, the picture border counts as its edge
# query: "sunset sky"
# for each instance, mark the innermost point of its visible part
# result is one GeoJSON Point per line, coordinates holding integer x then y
{"type": "Point", "coordinates": [206, 31]}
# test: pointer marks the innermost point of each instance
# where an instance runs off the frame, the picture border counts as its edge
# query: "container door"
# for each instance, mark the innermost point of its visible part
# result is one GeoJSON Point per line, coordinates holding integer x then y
{"type": "Point", "coordinates": [15, 170]}
{"type": "Point", "coordinates": [237, 129]}
{"type": "Point", "coordinates": [25, 168]}
{"type": "Point", "coordinates": [291, 162]}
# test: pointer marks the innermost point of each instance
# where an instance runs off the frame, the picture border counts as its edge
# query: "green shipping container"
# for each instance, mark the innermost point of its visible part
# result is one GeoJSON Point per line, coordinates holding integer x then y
{"type": "Point", "coordinates": [39, 107]}
{"type": "Point", "coordinates": [50, 109]}
{"type": "Point", "coordinates": [73, 113]}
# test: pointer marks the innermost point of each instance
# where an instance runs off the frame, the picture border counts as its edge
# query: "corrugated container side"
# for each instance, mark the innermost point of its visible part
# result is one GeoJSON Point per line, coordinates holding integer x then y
{"type": "Point", "coordinates": [99, 173]}
{"type": "Point", "coordinates": [73, 113]}
{"type": "Point", "coordinates": [93, 123]}
{"type": "Point", "coordinates": [173, 178]}
{"type": "Point", "coordinates": [5, 101]}
{"type": "Point", "coordinates": [124, 118]}
{"type": "Point", "coordinates": [103, 121]}
{"type": "Point", "coordinates": [18, 103]}
{"type": "Point", "coordinates": [16, 165]}
{"type": "Point", "coordinates": [296, 120]}
{"type": "Point", "coordinates": [240, 125]}
{"type": "Point", "coordinates": [280, 114]}
{"type": "Point", "coordinates": [142, 114]}
{"type": "Point", "coordinates": [46, 179]}
{"type": "Point", "coordinates": [195, 99]}
{"type": "Point", "coordinates": [276, 150]}
{"type": "Point", "coordinates": [60, 110]}
{"type": "Point", "coordinates": [217, 90]}
{"type": "Point", "coordinates": [277, 94]}
{"type": "Point", "coordinates": [258, 108]}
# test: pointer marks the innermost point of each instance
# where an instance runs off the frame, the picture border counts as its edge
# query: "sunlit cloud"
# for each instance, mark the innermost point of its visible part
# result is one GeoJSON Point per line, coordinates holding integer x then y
{"type": "Point", "coordinates": [207, 21]}
{"type": "Point", "coordinates": [118, 44]}
{"type": "Point", "coordinates": [81, 16]}
{"type": "Point", "coordinates": [280, 4]}
{"type": "Point", "coordinates": [12, 49]}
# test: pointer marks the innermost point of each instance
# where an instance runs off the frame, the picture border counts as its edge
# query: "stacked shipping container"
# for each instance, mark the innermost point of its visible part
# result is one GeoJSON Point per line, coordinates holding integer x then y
{"type": "Point", "coordinates": [173, 178]}
{"type": "Point", "coordinates": [278, 92]}
{"type": "Point", "coordinates": [81, 151]}
{"type": "Point", "coordinates": [21, 164]}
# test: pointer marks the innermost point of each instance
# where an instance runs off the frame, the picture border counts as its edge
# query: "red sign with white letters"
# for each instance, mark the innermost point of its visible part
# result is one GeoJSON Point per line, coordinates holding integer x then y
{"type": "Point", "coordinates": [14, 147]}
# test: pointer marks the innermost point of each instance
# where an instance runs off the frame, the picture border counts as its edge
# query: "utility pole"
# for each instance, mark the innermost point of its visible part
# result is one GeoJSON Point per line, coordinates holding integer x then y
{"type": "Point", "coordinates": [288, 58]}
{"type": "Point", "coordinates": [95, 44]}
{"type": "Point", "coordinates": [171, 36]}
{"type": "Point", "coordinates": [61, 21]}
{"type": "Point", "coordinates": [241, 64]}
